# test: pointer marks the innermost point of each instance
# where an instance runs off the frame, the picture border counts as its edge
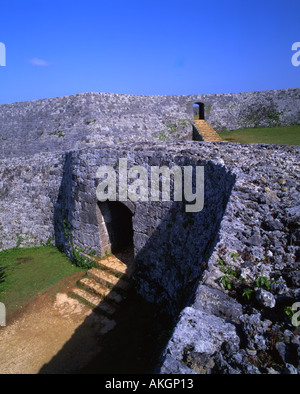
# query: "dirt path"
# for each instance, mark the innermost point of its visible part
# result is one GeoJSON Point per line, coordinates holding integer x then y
{"type": "Point", "coordinates": [44, 327]}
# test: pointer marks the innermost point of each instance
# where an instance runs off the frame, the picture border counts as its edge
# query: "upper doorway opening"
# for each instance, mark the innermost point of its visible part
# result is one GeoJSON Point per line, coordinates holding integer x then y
{"type": "Point", "coordinates": [198, 110]}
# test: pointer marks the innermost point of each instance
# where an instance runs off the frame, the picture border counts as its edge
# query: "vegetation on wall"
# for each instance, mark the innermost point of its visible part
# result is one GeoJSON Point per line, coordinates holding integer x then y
{"type": "Point", "coordinates": [257, 114]}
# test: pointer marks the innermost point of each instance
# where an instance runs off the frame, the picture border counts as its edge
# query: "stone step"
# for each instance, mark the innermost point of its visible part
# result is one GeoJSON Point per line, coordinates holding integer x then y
{"type": "Point", "coordinates": [107, 279]}
{"type": "Point", "coordinates": [206, 131]}
{"type": "Point", "coordinates": [101, 290]}
{"type": "Point", "coordinates": [95, 301]}
{"type": "Point", "coordinates": [112, 263]}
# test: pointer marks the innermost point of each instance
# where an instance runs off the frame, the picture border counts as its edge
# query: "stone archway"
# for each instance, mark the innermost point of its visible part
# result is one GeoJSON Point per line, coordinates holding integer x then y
{"type": "Point", "coordinates": [115, 227]}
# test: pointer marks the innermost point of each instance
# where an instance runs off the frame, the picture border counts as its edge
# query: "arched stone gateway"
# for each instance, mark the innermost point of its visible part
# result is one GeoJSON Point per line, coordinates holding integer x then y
{"type": "Point", "coordinates": [115, 227]}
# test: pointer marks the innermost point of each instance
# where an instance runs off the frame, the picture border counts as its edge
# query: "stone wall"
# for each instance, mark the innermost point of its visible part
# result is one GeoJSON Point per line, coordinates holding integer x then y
{"type": "Point", "coordinates": [90, 119]}
{"type": "Point", "coordinates": [252, 109]}
{"type": "Point", "coordinates": [164, 234]}
{"type": "Point", "coordinates": [28, 194]}
{"type": "Point", "coordinates": [234, 324]}
{"type": "Point", "coordinates": [250, 222]}
{"type": "Point", "coordinates": [93, 119]}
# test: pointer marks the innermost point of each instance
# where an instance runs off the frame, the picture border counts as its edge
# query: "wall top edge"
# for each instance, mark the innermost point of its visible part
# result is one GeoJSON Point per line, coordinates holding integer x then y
{"type": "Point", "coordinates": [187, 96]}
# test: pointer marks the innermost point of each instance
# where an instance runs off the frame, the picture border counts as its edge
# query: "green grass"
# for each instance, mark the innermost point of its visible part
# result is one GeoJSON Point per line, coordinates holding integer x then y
{"type": "Point", "coordinates": [289, 135]}
{"type": "Point", "coordinates": [31, 272]}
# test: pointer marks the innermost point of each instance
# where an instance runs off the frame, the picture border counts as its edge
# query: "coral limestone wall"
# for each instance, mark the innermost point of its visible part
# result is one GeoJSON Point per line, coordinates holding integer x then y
{"type": "Point", "coordinates": [251, 109]}
{"type": "Point", "coordinates": [90, 119]}
{"type": "Point", "coordinates": [93, 119]}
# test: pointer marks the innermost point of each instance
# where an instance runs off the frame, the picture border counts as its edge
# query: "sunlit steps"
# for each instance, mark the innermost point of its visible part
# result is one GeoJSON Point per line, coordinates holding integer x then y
{"type": "Point", "coordinates": [104, 288]}
{"type": "Point", "coordinates": [206, 131]}
{"type": "Point", "coordinates": [109, 280]}
{"type": "Point", "coordinates": [95, 301]}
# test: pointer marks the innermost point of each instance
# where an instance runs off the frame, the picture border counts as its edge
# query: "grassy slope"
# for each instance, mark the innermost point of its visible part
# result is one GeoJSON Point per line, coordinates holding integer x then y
{"type": "Point", "coordinates": [31, 272]}
{"type": "Point", "coordinates": [289, 135]}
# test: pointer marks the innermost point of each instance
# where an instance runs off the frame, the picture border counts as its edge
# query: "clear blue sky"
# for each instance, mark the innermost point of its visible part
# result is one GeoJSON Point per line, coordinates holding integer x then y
{"type": "Point", "coordinates": [64, 47]}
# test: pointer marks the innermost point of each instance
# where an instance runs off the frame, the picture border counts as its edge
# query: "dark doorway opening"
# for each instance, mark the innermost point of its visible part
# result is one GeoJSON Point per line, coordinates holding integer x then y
{"type": "Point", "coordinates": [198, 110]}
{"type": "Point", "coordinates": [115, 225]}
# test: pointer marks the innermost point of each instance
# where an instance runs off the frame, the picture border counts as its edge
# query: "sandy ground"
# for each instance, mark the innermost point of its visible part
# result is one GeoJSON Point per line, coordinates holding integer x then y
{"type": "Point", "coordinates": [52, 334]}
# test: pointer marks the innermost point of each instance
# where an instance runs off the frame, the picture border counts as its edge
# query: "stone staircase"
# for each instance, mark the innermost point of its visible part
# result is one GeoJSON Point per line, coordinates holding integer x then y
{"type": "Point", "coordinates": [105, 286]}
{"type": "Point", "coordinates": [206, 131]}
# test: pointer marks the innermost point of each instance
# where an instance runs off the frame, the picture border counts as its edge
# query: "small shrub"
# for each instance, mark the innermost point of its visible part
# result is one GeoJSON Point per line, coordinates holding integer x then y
{"type": "Point", "coordinates": [263, 283]}
{"type": "Point", "coordinates": [247, 293]}
{"type": "Point", "coordinates": [80, 260]}
{"type": "Point", "coordinates": [91, 121]}
{"type": "Point", "coordinates": [226, 281]}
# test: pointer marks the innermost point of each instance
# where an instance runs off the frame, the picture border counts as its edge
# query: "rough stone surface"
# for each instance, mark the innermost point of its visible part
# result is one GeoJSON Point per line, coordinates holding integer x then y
{"type": "Point", "coordinates": [198, 336]}
{"type": "Point", "coordinates": [217, 303]}
{"type": "Point", "coordinates": [94, 119]}
{"type": "Point", "coordinates": [266, 298]}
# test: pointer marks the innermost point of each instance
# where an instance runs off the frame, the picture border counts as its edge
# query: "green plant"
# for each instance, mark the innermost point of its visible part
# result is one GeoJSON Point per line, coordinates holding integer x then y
{"type": "Point", "coordinates": [234, 273]}
{"type": "Point", "coordinates": [258, 114]}
{"type": "Point", "coordinates": [80, 260]}
{"type": "Point", "coordinates": [19, 240]}
{"type": "Point", "coordinates": [229, 271]}
{"type": "Point", "coordinates": [58, 133]}
{"type": "Point", "coordinates": [288, 310]}
{"type": "Point", "coordinates": [247, 293]}
{"type": "Point", "coordinates": [91, 121]}
{"type": "Point", "coordinates": [162, 136]}
{"type": "Point", "coordinates": [184, 122]}
{"type": "Point", "coordinates": [172, 127]}
{"type": "Point", "coordinates": [226, 281]}
{"type": "Point", "coordinates": [49, 242]}
{"type": "Point", "coordinates": [66, 229]}
{"type": "Point", "coordinates": [233, 255]}
{"type": "Point", "coordinates": [263, 283]}
{"type": "Point", "coordinates": [92, 253]}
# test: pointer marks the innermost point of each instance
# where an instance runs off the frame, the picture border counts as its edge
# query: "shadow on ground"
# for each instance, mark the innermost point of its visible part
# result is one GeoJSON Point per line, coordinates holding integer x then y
{"type": "Point", "coordinates": [133, 346]}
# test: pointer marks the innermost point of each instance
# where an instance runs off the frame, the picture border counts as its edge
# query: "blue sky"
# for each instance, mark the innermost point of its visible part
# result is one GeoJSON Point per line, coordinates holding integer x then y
{"type": "Point", "coordinates": [64, 47]}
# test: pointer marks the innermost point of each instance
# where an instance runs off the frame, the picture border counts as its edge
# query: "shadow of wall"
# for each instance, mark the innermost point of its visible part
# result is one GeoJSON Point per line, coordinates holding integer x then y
{"type": "Point", "coordinates": [173, 246]}
{"type": "Point", "coordinates": [65, 208]}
